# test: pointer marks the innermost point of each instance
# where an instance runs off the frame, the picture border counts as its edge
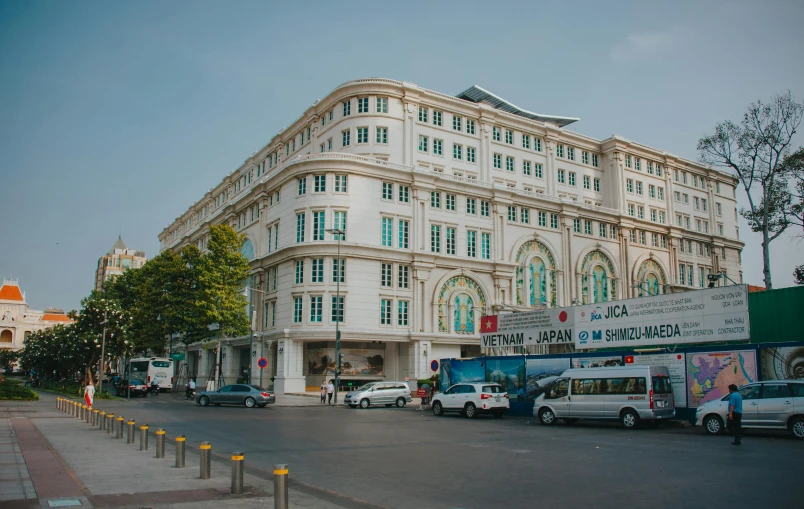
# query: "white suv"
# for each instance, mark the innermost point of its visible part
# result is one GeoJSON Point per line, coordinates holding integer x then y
{"type": "Point", "coordinates": [471, 399]}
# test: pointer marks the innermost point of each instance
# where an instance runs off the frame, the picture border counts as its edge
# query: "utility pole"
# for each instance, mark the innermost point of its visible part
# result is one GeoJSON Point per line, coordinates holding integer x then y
{"type": "Point", "coordinates": [338, 233]}
{"type": "Point", "coordinates": [103, 352]}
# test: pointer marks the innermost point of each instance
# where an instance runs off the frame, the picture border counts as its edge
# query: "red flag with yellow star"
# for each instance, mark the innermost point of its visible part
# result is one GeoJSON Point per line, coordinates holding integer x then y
{"type": "Point", "coordinates": [488, 324]}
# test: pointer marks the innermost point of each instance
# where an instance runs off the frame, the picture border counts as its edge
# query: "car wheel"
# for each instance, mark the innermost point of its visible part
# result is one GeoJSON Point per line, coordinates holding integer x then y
{"type": "Point", "coordinates": [629, 419]}
{"type": "Point", "coordinates": [547, 417]}
{"type": "Point", "coordinates": [797, 427]}
{"type": "Point", "coordinates": [250, 402]}
{"type": "Point", "coordinates": [438, 409]}
{"type": "Point", "coordinates": [569, 421]}
{"type": "Point", "coordinates": [713, 425]}
{"type": "Point", "coordinates": [203, 401]}
{"type": "Point", "coordinates": [497, 414]}
{"type": "Point", "coordinates": [364, 403]}
{"type": "Point", "coordinates": [470, 411]}
{"type": "Point", "coordinates": [400, 402]}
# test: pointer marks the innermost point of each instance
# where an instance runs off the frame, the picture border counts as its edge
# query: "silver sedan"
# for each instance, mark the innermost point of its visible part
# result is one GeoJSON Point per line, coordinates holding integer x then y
{"type": "Point", "coordinates": [237, 394]}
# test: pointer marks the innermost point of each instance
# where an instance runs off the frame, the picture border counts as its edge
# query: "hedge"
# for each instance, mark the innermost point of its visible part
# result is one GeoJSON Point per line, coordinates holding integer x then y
{"type": "Point", "coordinates": [15, 392]}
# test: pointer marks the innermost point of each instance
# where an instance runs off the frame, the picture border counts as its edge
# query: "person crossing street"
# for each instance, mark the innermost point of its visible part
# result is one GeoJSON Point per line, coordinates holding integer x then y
{"type": "Point", "coordinates": [735, 414]}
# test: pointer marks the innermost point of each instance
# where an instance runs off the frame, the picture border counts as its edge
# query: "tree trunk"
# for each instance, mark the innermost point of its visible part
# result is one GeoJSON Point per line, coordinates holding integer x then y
{"type": "Point", "coordinates": [766, 260]}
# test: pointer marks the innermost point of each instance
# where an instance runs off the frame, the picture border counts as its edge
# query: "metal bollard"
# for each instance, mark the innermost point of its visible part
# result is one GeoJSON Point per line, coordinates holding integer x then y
{"type": "Point", "coordinates": [93, 418]}
{"type": "Point", "coordinates": [109, 423]}
{"type": "Point", "coordinates": [160, 443]}
{"type": "Point", "coordinates": [101, 420]}
{"type": "Point", "coordinates": [58, 403]}
{"type": "Point", "coordinates": [144, 437]}
{"type": "Point", "coordinates": [119, 427]}
{"type": "Point", "coordinates": [180, 451]}
{"type": "Point", "coordinates": [73, 408]}
{"type": "Point", "coordinates": [237, 473]}
{"type": "Point", "coordinates": [81, 410]}
{"type": "Point", "coordinates": [280, 487]}
{"type": "Point", "coordinates": [87, 413]}
{"type": "Point", "coordinates": [130, 432]}
{"type": "Point", "coordinates": [206, 459]}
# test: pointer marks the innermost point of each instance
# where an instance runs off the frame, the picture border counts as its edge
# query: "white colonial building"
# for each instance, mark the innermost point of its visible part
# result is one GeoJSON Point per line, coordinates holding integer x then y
{"type": "Point", "coordinates": [18, 321]}
{"type": "Point", "coordinates": [454, 207]}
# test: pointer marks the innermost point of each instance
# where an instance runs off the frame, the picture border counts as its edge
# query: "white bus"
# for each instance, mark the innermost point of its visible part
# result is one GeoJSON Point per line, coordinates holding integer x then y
{"type": "Point", "coordinates": [149, 368]}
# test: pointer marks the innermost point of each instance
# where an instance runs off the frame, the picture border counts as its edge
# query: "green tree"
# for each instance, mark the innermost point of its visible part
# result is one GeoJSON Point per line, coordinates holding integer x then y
{"type": "Point", "coordinates": [7, 359]}
{"type": "Point", "coordinates": [755, 151]}
{"type": "Point", "coordinates": [221, 275]}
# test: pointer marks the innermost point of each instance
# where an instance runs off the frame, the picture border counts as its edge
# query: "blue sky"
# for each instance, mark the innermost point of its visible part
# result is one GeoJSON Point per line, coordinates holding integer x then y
{"type": "Point", "coordinates": [119, 115]}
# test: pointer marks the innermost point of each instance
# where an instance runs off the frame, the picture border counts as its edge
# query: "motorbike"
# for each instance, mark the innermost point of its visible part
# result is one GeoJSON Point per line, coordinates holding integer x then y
{"type": "Point", "coordinates": [153, 389]}
{"type": "Point", "coordinates": [189, 394]}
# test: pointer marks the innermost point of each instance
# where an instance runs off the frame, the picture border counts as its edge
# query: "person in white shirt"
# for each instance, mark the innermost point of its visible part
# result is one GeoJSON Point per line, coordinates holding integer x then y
{"type": "Point", "coordinates": [330, 390]}
{"type": "Point", "coordinates": [190, 388]}
{"type": "Point", "coordinates": [89, 394]}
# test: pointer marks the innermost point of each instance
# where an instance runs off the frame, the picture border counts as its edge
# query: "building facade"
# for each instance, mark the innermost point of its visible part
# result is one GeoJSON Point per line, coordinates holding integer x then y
{"type": "Point", "coordinates": [17, 321]}
{"type": "Point", "coordinates": [453, 207]}
{"type": "Point", "coordinates": [118, 260]}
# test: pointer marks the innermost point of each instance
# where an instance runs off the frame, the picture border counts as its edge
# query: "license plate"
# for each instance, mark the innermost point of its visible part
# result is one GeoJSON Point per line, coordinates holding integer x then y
{"type": "Point", "coordinates": [497, 399]}
{"type": "Point", "coordinates": [660, 404]}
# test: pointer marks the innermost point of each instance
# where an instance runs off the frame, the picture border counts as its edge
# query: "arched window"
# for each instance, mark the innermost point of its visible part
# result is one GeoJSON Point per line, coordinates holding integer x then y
{"type": "Point", "coordinates": [464, 322]}
{"type": "Point", "coordinates": [597, 278]}
{"type": "Point", "coordinates": [247, 250]}
{"type": "Point", "coordinates": [461, 302]}
{"type": "Point", "coordinates": [535, 275]}
{"type": "Point", "coordinates": [651, 279]}
{"type": "Point", "coordinates": [6, 336]}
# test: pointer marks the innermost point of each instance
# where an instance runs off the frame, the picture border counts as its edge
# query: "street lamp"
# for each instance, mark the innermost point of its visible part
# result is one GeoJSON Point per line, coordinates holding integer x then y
{"type": "Point", "coordinates": [103, 352]}
{"type": "Point", "coordinates": [713, 279]}
{"type": "Point", "coordinates": [339, 233]}
{"type": "Point", "coordinates": [251, 334]}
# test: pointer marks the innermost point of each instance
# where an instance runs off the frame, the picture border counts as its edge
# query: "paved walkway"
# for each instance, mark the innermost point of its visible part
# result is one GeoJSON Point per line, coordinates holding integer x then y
{"type": "Point", "coordinates": [50, 459]}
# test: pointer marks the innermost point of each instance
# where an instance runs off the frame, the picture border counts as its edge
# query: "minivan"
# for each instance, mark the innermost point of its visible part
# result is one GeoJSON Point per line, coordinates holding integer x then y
{"type": "Point", "coordinates": [630, 394]}
{"type": "Point", "coordinates": [379, 393]}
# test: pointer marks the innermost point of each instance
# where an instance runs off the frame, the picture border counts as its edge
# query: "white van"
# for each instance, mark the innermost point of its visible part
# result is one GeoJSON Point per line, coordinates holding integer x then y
{"type": "Point", "coordinates": [629, 394]}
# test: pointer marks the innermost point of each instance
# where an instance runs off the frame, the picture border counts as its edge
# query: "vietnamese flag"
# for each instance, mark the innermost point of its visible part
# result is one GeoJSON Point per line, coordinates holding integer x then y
{"type": "Point", "coordinates": [488, 324]}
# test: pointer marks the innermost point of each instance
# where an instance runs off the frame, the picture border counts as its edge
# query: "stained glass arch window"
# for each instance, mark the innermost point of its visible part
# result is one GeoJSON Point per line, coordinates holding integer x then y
{"type": "Point", "coordinates": [598, 278]}
{"type": "Point", "coordinates": [247, 250]}
{"type": "Point", "coordinates": [535, 275]}
{"type": "Point", "coordinates": [651, 279]}
{"type": "Point", "coordinates": [461, 302]}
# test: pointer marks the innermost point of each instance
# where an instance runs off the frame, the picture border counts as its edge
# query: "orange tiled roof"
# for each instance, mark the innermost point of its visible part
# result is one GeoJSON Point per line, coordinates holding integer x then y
{"type": "Point", "coordinates": [753, 288]}
{"type": "Point", "coordinates": [11, 292]}
{"type": "Point", "coordinates": [55, 317]}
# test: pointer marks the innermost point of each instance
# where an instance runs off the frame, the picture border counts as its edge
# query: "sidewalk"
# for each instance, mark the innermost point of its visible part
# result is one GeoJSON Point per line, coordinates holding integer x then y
{"type": "Point", "coordinates": [50, 459]}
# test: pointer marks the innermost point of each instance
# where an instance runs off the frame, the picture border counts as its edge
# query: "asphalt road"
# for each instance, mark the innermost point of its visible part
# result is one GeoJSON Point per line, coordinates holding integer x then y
{"type": "Point", "coordinates": [401, 459]}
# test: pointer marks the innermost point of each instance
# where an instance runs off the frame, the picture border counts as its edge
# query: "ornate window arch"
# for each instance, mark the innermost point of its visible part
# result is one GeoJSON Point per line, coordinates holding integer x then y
{"type": "Point", "coordinates": [598, 282]}
{"type": "Point", "coordinates": [461, 302]}
{"type": "Point", "coordinates": [6, 336]}
{"type": "Point", "coordinates": [651, 278]}
{"type": "Point", "coordinates": [535, 275]}
{"type": "Point", "coordinates": [247, 249]}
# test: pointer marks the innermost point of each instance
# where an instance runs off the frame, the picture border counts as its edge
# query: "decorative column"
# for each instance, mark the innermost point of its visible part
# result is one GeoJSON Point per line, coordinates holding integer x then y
{"type": "Point", "coordinates": [289, 365]}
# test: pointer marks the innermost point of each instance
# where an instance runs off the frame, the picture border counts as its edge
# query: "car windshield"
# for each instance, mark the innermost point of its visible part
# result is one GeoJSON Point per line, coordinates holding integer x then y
{"type": "Point", "coordinates": [137, 382]}
{"type": "Point", "coordinates": [160, 364]}
{"type": "Point", "coordinates": [661, 385]}
{"type": "Point", "coordinates": [493, 389]}
{"type": "Point", "coordinates": [365, 387]}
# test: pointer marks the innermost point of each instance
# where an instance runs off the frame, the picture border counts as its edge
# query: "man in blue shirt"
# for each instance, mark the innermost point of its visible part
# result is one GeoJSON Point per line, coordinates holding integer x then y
{"type": "Point", "coordinates": [735, 413]}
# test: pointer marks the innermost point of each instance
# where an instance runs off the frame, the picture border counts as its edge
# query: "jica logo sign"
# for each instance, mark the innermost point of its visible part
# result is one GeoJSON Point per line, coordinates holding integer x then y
{"type": "Point", "coordinates": [611, 312]}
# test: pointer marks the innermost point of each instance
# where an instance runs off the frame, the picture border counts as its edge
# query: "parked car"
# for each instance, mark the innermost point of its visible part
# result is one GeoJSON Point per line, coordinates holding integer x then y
{"type": "Point", "coordinates": [630, 394]}
{"type": "Point", "coordinates": [237, 394]}
{"type": "Point", "coordinates": [773, 404]}
{"type": "Point", "coordinates": [379, 393]}
{"type": "Point", "coordinates": [471, 399]}
{"type": "Point", "coordinates": [138, 388]}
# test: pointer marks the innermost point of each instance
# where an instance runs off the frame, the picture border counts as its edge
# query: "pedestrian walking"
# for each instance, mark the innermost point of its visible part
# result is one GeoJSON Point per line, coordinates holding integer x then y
{"type": "Point", "coordinates": [323, 390]}
{"type": "Point", "coordinates": [89, 394]}
{"type": "Point", "coordinates": [330, 391]}
{"type": "Point", "coordinates": [735, 414]}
